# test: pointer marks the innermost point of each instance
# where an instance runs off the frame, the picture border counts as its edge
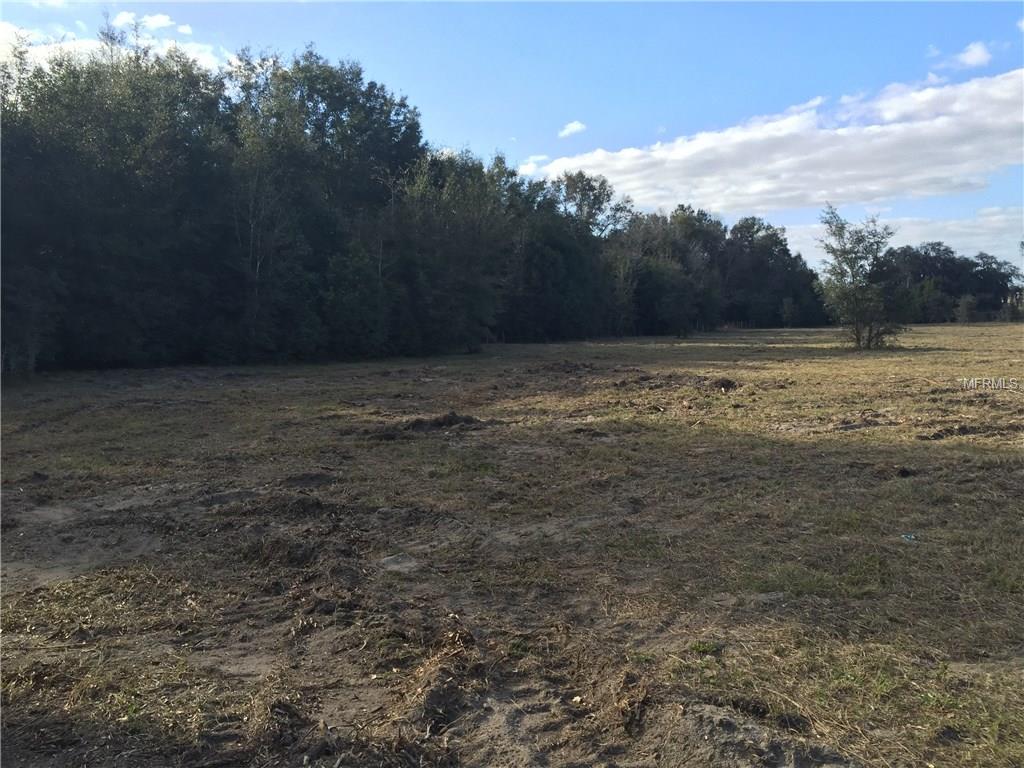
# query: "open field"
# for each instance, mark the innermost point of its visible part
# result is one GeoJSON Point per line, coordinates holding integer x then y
{"type": "Point", "coordinates": [743, 549]}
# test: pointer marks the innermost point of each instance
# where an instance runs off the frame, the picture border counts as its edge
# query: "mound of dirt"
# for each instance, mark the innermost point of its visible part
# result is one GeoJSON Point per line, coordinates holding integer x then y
{"type": "Point", "coordinates": [567, 367]}
{"type": "Point", "coordinates": [448, 682]}
{"type": "Point", "coordinates": [287, 507]}
{"type": "Point", "coordinates": [280, 550]}
{"type": "Point", "coordinates": [723, 384]}
{"type": "Point", "coordinates": [646, 380]}
{"type": "Point", "coordinates": [447, 421]}
{"type": "Point", "coordinates": [958, 430]}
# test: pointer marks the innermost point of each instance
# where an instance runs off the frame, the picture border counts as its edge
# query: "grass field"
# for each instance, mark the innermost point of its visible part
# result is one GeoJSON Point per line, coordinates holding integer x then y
{"type": "Point", "coordinates": [742, 549]}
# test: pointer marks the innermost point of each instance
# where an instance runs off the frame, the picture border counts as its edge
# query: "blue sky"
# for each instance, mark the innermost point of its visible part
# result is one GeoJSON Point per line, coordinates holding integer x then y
{"type": "Point", "coordinates": [912, 110]}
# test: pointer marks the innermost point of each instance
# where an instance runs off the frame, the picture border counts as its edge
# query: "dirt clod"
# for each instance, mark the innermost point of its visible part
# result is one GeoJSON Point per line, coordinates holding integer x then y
{"type": "Point", "coordinates": [446, 421]}
{"type": "Point", "coordinates": [280, 550]}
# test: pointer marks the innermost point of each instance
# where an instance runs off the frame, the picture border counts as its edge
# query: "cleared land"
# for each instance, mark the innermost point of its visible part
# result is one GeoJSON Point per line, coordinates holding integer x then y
{"type": "Point", "coordinates": [741, 549]}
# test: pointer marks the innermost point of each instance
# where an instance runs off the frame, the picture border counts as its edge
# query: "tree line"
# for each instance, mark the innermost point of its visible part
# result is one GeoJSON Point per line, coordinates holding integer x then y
{"type": "Point", "coordinates": [155, 213]}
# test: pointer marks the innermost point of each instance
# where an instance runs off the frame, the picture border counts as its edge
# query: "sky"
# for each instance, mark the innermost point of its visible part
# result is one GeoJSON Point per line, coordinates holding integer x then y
{"type": "Point", "coordinates": [912, 111]}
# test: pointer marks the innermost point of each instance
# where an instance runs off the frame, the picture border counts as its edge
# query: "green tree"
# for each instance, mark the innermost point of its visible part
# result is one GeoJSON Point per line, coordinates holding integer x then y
{"type": "Point", "coordinates": [109, 244]}
{"type": "Point", "coordinates": [590, 200]}
{"type": "Point", "coordinates": [854, 300]}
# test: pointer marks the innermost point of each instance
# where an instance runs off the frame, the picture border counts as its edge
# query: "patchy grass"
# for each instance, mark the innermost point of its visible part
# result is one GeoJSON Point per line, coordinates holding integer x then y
{"type": "Point", "coordinates": [533, 554]}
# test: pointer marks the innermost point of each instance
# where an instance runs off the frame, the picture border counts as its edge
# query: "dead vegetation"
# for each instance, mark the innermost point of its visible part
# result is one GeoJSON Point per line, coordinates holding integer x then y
{"type": "Point", "coordinates": [735, 550]}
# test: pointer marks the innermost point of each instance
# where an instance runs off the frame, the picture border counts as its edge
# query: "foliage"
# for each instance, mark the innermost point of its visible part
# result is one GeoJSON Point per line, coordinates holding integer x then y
{"type": "Point", "coordinates": [925, 284]}
{"type": "Point", "coordinates": [855, 299]}
{"type": "Point", "coordinates": [157, 213]}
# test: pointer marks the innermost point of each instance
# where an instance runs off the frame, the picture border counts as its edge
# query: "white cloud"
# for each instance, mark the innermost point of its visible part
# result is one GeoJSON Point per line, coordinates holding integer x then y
{"type": "Point", "coordinates": [976, 54]}
{"type": "Point", "coordinates": [810, 104]}
{"type": "Point", "coordinates": [932, 51]}
{"type": "Point", "coordinates": [532, 164]}
{"type": "Point", "coordinates": [907, 141]}
{"type": "Point", "coordinates": [82, 27]}
{"type": "Point", "coordinates": [157, 21]}
{"type": "Point", "coordinates": [211, 57]}
{"type": "Point", "coordinates": [994, 230]}
{"type": "Point", "coordinates": [43, 46]}
{"type": "Point", "coordinates": [60, 32]}
{"type": "Point", "coordinates": [1020, 25]}
{"type": "Point", "coordinates": [570, 129]}
{"type": "Point", "coordinates": [9, 34]}
{"type": "Point", "coordinates": [150, 22]}
{"type": "Point", "coordinates": [48, 3]}
{"type": "Point", "coordinates": [123, 19]}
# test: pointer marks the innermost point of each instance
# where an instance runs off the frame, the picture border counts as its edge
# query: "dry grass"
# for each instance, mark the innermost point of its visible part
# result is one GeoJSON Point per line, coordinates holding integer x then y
{"type": "Point", "coordinates": [537, 553]}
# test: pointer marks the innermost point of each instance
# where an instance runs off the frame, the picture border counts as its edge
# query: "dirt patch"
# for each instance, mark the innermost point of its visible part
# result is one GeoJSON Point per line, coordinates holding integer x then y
{"type": "Point", "coordinates": [964, 430]}
{"type": "Point", "coordinates": [722, 384]}
{"type": "Point", "coordinates": [853, 422]}
{"type": "Point", "coordinates": [280, 550]}
{"type": "Point", "coordinates": [449, 420]}
{"type": "Point", "coordinates": [48, 543]}
{"type": "Point", "coordinates": [655, 381]}
{"type": "Point", "coordinates": [308, 480]}
{"type": "Point", "coordinates": [706, 735]}
{"type": "Point", "coordinates": [280, 507]}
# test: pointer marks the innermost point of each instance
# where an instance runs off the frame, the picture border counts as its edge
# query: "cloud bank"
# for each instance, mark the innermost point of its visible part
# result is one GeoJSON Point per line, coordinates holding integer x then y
{"type": "Point", "coordinates": [911, 140]}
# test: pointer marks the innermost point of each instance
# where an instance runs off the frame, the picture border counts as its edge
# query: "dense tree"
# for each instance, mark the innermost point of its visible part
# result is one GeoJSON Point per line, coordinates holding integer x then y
{"type": "Point", "coordinates": [765, 284]}
{"type": "Point", "coordinates": [689, 271]}
{"type": "Point", "coordinates": [112, 178]}
{"type": "Point", "coordinates": [925, 284]}
{"type": "Point", "coordinates": [156, 212]}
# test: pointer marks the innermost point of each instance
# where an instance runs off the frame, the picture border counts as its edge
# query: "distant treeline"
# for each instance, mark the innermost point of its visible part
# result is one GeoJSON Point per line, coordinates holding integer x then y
{"type": "Point", "coordinates": [156, 213]}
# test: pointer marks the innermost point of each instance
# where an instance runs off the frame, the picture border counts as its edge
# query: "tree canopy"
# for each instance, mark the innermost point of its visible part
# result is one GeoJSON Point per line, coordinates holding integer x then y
{"type": "Point", "coordinates": [156, 213]}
